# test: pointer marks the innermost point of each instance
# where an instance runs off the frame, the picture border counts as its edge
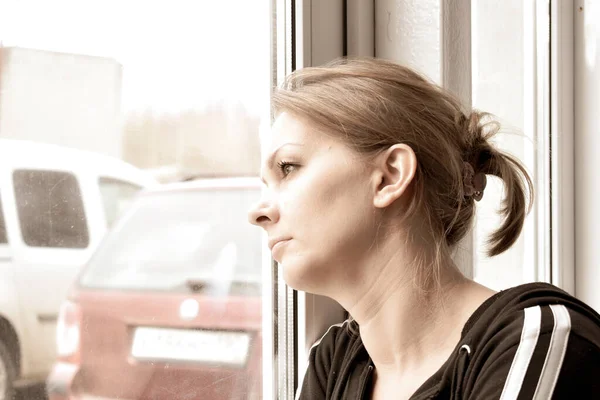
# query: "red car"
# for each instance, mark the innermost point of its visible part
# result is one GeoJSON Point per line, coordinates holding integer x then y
{"type": "Point", "coordinates": [169, 307]}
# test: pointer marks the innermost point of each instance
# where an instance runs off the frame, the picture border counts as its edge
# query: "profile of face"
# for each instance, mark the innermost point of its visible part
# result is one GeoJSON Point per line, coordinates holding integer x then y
{"type": "Point", "coordinates": [317, 207]}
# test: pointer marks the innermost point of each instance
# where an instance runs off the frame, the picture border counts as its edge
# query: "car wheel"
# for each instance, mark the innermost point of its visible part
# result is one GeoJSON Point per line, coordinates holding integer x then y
{"type": "Point", "coordinates": [8, 373]}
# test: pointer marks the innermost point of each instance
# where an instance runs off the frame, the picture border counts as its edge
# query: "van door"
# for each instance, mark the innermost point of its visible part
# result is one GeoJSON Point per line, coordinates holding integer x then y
{"type": "Point", "coordinates": [55, 244]}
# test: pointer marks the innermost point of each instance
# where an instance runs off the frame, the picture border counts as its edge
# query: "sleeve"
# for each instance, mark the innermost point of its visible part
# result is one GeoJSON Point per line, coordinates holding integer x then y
{"type": "Point", "coordinates": [551, 359]}
{"type": "Point", "coordinates": [314, 383]}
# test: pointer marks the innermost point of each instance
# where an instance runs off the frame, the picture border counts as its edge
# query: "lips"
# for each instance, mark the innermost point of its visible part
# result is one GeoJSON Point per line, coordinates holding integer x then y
{"type": "Point", "coordinates": [274, 241]}
{"type": "Point", "coordinates": [276, 250]}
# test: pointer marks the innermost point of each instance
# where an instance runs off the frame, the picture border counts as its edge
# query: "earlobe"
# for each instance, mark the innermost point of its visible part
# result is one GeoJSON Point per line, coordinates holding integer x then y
{"type": "Point", "coordinates": [396, 169]}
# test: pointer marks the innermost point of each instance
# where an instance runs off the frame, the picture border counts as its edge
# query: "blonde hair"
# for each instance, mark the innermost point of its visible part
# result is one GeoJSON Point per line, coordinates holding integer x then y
{"type": "Point", "coordinates": [373, 104]}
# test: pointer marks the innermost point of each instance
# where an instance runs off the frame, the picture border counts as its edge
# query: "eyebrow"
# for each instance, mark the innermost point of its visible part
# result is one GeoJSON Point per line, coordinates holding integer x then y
{"type": "Point", "coordinates": [271, 159]}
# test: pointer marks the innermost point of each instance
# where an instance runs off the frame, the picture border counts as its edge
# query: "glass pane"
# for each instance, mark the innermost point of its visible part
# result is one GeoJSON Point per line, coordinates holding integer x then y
{"type": "Point", "coordinates": [199, 242]}
{"type": "Point", "coordinates": [168, 97]}
{"type": "Point", "coordinates": [50, 209]}
{"type": "Point", "coordinates": [504, 82]}
{"type": "Point", "coordinates": [116, 197]}
{"type": "Point", "coordinates": [3, 236]}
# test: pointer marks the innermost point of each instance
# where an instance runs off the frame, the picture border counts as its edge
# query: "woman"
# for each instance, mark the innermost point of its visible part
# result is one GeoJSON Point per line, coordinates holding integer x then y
{"type": "Point", "coordinates": [372, 181]}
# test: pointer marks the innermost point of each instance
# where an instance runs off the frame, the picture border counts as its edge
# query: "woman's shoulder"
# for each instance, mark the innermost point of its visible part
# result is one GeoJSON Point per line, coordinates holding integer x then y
{"type": "Point", "coordinates": [540, 307]}
{"type": "Point", "coordinates": [338, 337]}
{"type": "Point", "coordinates": [530, 339]}
{"type": "Point", "coordinates": [536, 302]}
{"type": "Point", "coordinates": [339, 347]}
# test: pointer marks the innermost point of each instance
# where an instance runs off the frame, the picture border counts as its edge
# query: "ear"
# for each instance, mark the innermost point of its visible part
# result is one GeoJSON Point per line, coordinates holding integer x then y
{"type": "Point", "coordinates": [394, 170]}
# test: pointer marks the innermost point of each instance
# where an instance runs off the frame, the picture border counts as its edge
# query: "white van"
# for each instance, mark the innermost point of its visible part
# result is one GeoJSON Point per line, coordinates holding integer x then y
{"type": "Point", "coordinates": [56, 204]}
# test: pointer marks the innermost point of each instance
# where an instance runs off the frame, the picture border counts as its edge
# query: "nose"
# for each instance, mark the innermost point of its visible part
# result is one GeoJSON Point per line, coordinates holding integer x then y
{"type": "Point", "coordinates": [263, 214]}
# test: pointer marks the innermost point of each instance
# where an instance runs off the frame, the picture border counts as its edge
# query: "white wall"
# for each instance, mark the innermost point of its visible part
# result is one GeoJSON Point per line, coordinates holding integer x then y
{"type": "Point", "coordinates": [408, 31]}
{"type": "Point", "coordinates": [65, 99]}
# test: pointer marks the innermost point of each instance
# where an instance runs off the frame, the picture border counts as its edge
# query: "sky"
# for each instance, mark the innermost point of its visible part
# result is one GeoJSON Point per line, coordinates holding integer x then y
{"type": "Point", "coordinates": [176, 54]}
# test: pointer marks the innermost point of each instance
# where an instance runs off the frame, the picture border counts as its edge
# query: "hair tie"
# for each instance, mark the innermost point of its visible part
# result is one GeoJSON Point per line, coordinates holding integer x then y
{"type": "Point", "coordinates": [473, 183]}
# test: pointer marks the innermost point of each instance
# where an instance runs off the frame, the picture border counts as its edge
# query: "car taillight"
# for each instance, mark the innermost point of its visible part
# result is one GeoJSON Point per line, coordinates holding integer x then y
{"type": "Point", "coordinates": [68, 331]}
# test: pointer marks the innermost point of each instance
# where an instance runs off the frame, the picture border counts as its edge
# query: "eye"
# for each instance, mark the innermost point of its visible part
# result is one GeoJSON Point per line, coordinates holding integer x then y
{"type": "Point", "coordinates": [286, 167]}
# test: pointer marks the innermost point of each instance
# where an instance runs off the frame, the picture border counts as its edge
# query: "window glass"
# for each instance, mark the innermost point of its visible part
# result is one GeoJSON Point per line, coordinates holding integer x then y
{"type": "Point", "coordinates": [179, 90]}
{"type": "Point", "coordinates": [3, 236]}
{"type": "Point", "coordinates": [116, 197]}
{"type": "Point", "coordinates": [51, 212]}
{"type": "Point", "coordinates": [198, 242]}
{"type": "Point", "coordinates": [504, 82]}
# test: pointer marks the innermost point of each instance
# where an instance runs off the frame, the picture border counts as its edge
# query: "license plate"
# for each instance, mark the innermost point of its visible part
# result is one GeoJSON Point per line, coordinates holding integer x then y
{"type": "Point", "coordinates": [218, 347]}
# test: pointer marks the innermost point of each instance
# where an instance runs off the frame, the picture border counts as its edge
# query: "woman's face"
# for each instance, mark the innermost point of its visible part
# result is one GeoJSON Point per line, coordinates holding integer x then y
{"type": "Point", "coordinates": [317, 208]}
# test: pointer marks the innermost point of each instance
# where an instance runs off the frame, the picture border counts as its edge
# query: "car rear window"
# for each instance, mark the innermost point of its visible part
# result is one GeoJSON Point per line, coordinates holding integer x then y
{"type": "Point", "coordinates": [183, 241]}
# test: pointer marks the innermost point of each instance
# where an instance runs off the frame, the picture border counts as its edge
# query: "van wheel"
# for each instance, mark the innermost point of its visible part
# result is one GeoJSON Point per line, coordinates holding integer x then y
{"type": "Point", "coordinates": [8, 373]}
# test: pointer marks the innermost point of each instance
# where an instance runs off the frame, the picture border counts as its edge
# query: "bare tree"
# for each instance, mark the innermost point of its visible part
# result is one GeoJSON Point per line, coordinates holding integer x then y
{"type": "Point", "coordinates": [221, 140]}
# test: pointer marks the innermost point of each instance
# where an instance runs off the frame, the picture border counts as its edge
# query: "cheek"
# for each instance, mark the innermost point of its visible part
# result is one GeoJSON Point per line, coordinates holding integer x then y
{"type": "Point", "coordinates": [331, 223]}
{"type": "Point", "coordinates": [326, 209]}
{"type": "Point", "coordinates": [311, 198]}
{"type": "Point", "coordinates": [329, 246]}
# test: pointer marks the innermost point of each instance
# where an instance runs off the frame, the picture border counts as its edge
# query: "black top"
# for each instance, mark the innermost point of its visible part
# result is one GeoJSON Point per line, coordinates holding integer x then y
{"type": "Point", "coordinates": [532, 341]}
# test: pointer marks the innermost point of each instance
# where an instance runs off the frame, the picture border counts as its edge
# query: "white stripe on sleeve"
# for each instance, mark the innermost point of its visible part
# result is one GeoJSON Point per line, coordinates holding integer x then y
{"type": "Point", "coordinates": [518, 368]}
{"type": "Point", "coordinates": [556, 353]}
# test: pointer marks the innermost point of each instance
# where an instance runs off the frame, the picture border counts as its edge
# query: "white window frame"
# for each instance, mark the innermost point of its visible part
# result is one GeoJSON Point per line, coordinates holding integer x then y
{"type": "Point", "coordinates": [309, 32]}
{"type": "Point", "coordinates": [586, 96]}
{"type": "Point", "coordinates": [318, 33]}
{"type": "Point", "coordinates": [562, 133]}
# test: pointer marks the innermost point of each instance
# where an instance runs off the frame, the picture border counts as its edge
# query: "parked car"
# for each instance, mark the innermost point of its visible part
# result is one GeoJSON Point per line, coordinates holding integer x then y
{"type": "Point", "coordinates": [169, 306]}
{"type": "Point", "coordinates": [56, 204]}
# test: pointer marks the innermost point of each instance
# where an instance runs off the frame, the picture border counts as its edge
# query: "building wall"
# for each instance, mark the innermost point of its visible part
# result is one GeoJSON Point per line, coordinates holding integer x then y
{"type": "Point", "coordinates": [65, 99]}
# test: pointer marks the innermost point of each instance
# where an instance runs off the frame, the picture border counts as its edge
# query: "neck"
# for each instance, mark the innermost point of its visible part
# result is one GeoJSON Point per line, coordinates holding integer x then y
{"type": "Point", "coordinates": [407, 327]}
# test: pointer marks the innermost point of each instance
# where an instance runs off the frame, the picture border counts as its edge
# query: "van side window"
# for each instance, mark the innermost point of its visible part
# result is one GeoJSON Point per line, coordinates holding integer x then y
{"type": "Point", "coordinates": [50, 209]}
{"type": "Point", "coordinates": [116, 197]}
{"type": "Point", "coordinates": [3, 236]}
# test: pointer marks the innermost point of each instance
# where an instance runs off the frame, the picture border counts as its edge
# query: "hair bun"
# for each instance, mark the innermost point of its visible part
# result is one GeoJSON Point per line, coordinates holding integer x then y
{"type": "Point", "coordinates": [477, 129]}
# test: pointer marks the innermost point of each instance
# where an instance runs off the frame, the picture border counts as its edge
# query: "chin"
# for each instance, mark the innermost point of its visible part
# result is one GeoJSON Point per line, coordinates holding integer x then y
{"type": "Point", "coordinates": [293, 276]}
{"type": "Point", "coordinates": [302, 275]}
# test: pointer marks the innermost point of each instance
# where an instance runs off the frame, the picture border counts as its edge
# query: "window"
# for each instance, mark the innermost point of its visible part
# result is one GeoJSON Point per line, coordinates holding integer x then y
{"type": "Point", "coordinates": [510, 78]}
{"type": "Point", "coordinates": [178, 90]}
{"type": "Point", "coordinates": [3, 236]}
{"type": "Point", "coordinates": [116, 197]}
{"type": "Point", "coordinates": [50, 208]}
{"type": "Point", "coordinates": [197, 242]}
